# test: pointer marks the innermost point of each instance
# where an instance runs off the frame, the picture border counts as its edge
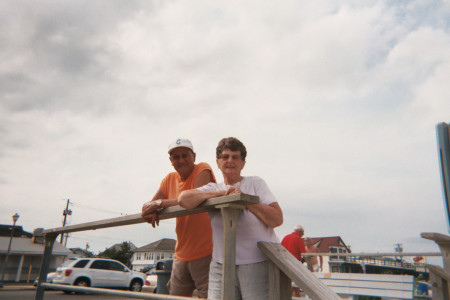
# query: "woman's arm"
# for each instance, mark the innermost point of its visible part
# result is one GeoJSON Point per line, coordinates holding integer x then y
{"type": "Point", "coordinates": [271, 214]}
{"type": "Point", "coordinates": [193, 198]}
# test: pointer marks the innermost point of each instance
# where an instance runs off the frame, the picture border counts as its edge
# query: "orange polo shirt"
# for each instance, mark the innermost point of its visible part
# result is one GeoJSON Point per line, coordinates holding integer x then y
{"type": "Point", "coordinates": [194, 233]}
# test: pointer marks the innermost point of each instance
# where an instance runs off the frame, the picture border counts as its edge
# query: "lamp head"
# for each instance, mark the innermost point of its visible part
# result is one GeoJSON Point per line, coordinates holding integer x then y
{"type": "Point", "coordinates": [15, 217]}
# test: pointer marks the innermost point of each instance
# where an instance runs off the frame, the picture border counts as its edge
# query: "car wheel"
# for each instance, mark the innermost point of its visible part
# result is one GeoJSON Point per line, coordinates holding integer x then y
{"type": "Point", "coordinates": [136, 285]}
{"type": "Point", "coordinates": [82, 282]}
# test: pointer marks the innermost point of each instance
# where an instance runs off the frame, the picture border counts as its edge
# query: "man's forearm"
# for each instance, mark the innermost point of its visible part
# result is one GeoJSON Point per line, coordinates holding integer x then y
{"type": "Point", "coordinates": [168, 203]}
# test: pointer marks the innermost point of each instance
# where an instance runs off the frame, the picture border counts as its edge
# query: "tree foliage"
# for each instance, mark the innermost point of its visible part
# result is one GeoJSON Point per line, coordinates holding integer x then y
{"type": "Point", "coordinates": [121, 253]}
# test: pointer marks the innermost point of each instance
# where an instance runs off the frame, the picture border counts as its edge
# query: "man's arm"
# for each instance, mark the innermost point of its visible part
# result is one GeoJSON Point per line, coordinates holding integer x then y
{"type": "Point", "coordinates": [203, 178]}
{"type": "Point", "coordinates": [150, 209]}
{"type": "Point", "coordinates": [302, 246]}
{"type": "Point", "coordinates": [194, 199]}
{"type": "Point", "coordinates": [321, 260]}
{"type": "Point", "coordinates": [271, 215]}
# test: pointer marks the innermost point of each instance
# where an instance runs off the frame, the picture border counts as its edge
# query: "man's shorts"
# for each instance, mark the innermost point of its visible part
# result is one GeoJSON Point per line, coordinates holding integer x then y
{"type": "Point", "coordinates": [190, 275]}
{"type": "Point", "coordinates": [316, 268]}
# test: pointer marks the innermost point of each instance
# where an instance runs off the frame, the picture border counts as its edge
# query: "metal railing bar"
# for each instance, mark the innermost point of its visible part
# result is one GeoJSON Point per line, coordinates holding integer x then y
{"type": "Point", "coordinates": [375, 254]}
{"type": "Point", "coordinates": [167, 213]}
{"type": "Point", "coordinates": [91, 290]}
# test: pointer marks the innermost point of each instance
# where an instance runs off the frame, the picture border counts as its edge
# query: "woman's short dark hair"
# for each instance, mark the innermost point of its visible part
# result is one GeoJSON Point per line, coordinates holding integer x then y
{"type": "Point", "coordinates": [232, 144]}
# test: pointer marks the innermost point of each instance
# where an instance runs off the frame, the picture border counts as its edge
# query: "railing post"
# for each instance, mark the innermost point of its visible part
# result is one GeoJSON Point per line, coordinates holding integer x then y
{"type": "Point", "coordinates": [49, 241]}
{"type": "Point", "coordinates": [440, 284]}
{"type": "Point", "coordinates": [280, 285]}
{"type": "Point", "coordinates": [232, 205]}
{"type": "Point", "coordinates": [439, 288]}
{"type": "Point", "coordinates": [230, 214]}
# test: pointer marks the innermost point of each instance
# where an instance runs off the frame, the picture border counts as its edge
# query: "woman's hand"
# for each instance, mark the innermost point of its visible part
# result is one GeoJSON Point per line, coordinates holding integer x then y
{"type": "Point", "coordinates": [232, 191]}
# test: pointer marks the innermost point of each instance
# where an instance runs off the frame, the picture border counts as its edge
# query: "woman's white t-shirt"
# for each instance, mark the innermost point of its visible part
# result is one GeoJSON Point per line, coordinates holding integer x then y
{"type": "Point", "coordinates": [250, 230]}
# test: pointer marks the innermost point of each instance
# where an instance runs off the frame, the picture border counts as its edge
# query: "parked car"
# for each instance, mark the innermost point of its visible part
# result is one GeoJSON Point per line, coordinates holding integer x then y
{"type": "Point", "coordinates": [151, 280]}
{"type": "Point", "coordinates": [99, 272]}
{"type": "Point", "coordinates": [151, 277]}
{"type": "Point", "coordinates": [52, 275]}
{"type": "Point", "coordinates": [148, 268]}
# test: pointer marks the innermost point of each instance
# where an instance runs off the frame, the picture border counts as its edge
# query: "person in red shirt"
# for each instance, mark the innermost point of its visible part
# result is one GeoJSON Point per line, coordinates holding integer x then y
{"type": "Point", "coordinates": [293, 242]}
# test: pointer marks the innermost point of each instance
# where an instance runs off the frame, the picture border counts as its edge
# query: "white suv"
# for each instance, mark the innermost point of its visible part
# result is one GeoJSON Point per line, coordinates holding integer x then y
{"type": "Point", "coordinates": [99, 272]}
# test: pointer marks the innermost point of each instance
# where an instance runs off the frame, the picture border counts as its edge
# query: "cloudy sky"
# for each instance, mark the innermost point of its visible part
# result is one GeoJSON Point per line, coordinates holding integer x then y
{"type": "Point", "coordinates": [337, 103]}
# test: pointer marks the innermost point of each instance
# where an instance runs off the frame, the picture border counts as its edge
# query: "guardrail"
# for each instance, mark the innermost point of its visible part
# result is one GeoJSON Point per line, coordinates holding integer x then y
{"type": "Point", "coordinates": [230, 207]}
{"type": "Point", "coordinates": [92, 290]}
{"type": "Point", "coordinates": [440, 277]}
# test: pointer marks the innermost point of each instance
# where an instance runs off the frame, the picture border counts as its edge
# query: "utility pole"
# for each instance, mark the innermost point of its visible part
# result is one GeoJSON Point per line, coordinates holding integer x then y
{"type": "Point", "coordinates": [399, 249]}
{"type": "Point", "coordinates": [66, 212]}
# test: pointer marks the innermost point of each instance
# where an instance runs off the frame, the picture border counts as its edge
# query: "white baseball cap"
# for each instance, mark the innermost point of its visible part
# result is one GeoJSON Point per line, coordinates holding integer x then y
{"type": "Point", "coordinates": [181, 143]}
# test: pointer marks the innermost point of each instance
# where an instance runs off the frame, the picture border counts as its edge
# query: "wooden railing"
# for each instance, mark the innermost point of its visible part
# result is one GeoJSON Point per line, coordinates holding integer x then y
{"type": "Point", "coordinates": [230, 207]}
{"type": "Point", "coordinates": [440, 277]}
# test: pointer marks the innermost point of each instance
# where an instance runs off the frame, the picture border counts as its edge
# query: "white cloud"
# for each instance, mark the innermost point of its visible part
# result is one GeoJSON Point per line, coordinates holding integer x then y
{"type": "Point", "coordinates": [336, 102]}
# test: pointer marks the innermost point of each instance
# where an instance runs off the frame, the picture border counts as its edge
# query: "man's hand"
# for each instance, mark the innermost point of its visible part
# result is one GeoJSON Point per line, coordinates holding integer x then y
{"type": "Point", "coordinates": [150, 213]}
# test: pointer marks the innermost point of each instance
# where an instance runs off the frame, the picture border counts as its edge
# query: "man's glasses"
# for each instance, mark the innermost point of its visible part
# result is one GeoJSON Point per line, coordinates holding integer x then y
{"type": "Point", "coordinates": [178, 157]}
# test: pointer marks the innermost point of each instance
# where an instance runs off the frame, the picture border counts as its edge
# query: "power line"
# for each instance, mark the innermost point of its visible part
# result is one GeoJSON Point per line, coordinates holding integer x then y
{"type": "Point", "coordinates": [99, 209]}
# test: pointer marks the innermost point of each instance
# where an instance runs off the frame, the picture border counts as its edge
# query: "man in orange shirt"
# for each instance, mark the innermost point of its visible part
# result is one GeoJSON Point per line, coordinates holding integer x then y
{"type": "Point", "coordinates": [194, 235]}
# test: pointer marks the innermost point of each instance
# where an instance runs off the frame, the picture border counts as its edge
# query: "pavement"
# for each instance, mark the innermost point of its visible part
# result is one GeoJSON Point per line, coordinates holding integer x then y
{"type": "Point", "coordinates": [23, 286]}
{"type": "Point", "coordinates": [17, 286]}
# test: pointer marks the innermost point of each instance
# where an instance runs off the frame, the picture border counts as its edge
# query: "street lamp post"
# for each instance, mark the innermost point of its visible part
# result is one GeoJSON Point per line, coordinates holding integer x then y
{"type": "Point", "coordinates": [15, 218]}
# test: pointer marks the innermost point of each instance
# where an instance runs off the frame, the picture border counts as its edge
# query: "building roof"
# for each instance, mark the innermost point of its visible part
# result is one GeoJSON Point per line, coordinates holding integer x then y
{"type": "Point", "coordinates": [161, 245]}
{"type": "Point", "coordinates": [80, 252]}
{"type": "Point", "coordinates": [5, 230]}
{"type": "Point", "coordinates": [325, 243]}
{"type": "Point", "coordinates": [24, 245]}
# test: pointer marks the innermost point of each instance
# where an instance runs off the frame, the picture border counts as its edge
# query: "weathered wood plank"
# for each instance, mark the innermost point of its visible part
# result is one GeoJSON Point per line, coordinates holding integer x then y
{"type": "Point", "coordinates": [398, 286]}
{"type": "Point", "coordinates": [442, 273]}
{"type": "Point", "coordinates": [373, 292]}
{"type": "Point", "coordinates": [230, 215]}
{"type": "Point", "coordinates": [111, 292]}
{"type": "Point", "coordinates": [440, 287]}
{"type": "Point", "coordinates": [167, 213]}
{"type": "Point", "coordinates": [366, 277]}
{"type": "Point", "coordinates": [443, 241]}
{"type": "Point", "coordinates": [279, 284]}
{"type": "Point", "coordinates": [438, 275]}
{"type": "Point", "coordinates": [49, 241]}
{"type": "Point", "coordinates": [379, 285]}
{"type": "Point", "coordinates": [377, 254]}
{"type": "Point", "coordinates": [437, 237]}
{"type": "Point", "coordinates": [297, 272]}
